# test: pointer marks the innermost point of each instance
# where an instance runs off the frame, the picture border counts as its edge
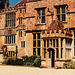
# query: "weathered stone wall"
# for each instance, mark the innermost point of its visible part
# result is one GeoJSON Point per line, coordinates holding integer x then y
{"type": "Point", "coordinates": [30, 9]}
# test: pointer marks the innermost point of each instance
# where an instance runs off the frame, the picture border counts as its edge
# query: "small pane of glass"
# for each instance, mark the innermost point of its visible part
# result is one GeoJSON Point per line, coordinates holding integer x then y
{"type": "Point", "coordinates": [58, 10]}
{"type": "Point", "coordinates": [44, 53]}
{"type": "Point", "coordinates": [61, 52]}
{"type": "Point", "coordinates": [43, 12]}
{"type": "Point", "coordinates": [63, 9]}
{"type": "Point", "coordinates": [44, 43]}
{"type": "Point", "coordinates": [63, 17]}
{"type": "Point", "coordinates": [34, 51]}
{"type": "Point", "coordinates": [56, 42]}
{"type": "Point", "coordinates": [38, 51]}
{"type": "Point", "coordinates": [34, 43]}
{"type": "Point", "coordinates": [47, 43]}
{"type": "Point", "coordinates": [38, 13]}
{"type": "Point", "coordinates": [58, 16]}
{"type": "Point", "coordinates": [53, 42]}
{"type": "Point", "coordinates": [34, 36]}
{"type": "Point", "coordinates": [38, 36]}
{"type": "Point", "coordinates": [38, 19]}
{"type": "Point", "coordinates": [57, 53]}
{"type": "Point", "coordinates": [43, 19]}
{"type": "Point", "coordinates": [39, 43]}
{"type": "Point", "coordinates": [49, 54]}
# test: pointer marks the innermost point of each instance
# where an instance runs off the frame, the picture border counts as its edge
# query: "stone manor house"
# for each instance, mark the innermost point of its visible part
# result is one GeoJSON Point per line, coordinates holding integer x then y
{"type": "Point", "coordinates": [39, 27]}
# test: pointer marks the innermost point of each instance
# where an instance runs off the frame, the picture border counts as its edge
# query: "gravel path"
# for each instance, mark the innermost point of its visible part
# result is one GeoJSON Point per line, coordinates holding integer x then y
{"type": "Point", "coordinates": [17, 70]}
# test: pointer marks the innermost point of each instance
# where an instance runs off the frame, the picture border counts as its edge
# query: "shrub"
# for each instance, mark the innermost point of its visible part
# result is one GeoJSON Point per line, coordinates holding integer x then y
{"type": "Point", "coordinates": [32, 58]}
{"type": "Point", "coordinates": [69, 65]}
{"type": "Point", "coordinates": [14, 62]}
{"type": "Point", "coordinates": [32, 61]}
{"type": "Point", "coordinates": [37, 62]}
{"type": "Point", "coordinates": [25, 58]}
{"type": "Point", "coordinates": [28, 61]}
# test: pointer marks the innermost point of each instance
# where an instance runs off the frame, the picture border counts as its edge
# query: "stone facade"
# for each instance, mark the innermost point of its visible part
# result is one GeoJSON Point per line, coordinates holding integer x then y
{"type": "Point", "coordinates": [40, 27]}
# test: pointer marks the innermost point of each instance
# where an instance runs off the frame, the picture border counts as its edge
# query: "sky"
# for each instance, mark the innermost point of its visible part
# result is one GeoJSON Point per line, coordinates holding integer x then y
{"type": "Point", "coordinates": [13, 2]}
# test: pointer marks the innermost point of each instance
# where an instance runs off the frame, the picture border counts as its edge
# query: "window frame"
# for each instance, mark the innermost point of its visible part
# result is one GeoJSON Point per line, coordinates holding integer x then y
{"type": "Point", "coordinates": [36, 46]}
{"type": "Point", "coordinates": [23, 44]}
{"type": "Point", "coordinates": [41, 15]}
{"type": "Point", "coordinates": [61, 13]}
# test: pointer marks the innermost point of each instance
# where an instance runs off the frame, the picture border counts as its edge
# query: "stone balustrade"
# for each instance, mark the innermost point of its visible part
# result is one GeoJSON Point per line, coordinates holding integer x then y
{"type": "Point", "coordinates": [55, 33]}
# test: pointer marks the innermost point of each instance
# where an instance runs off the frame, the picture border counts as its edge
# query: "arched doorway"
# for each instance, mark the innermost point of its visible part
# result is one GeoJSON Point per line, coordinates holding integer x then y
{"type": "Point", "coordinates": [51, 57]}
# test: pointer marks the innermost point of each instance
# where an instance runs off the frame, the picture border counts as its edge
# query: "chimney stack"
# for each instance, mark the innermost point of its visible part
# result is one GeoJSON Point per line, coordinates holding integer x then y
{"type": "Point", "coordinates": [6, 5]}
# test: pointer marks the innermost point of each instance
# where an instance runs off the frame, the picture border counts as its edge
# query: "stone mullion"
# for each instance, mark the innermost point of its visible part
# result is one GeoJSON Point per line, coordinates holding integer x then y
{"type": "Point", "coordinates": [41, 17]}
{"type": "Point", "coordinates": [55, 49]}
{"type": "Point", "coordinates": [52, 42]}
{"type": "Point", "coordinates": [5, 39]}
{"type": "Point", "coordinates": [42, 48]}
{"type": "Point", "coordinates": [13, 39]}
{"type": "Point", "coordinates": [49, 44]}
{"type": "Point", "coordinates": [9, 39]}
{"type": "Point", "coordinates": [64, 48]}
{"type": "Point", "coordinates": [59, 48]}
{"type": "Point", "coordinates": [60, 14]}
{"type": "Point", "coordinates": [14, 20]}
{"type": "Point", "coordinates": [36, 44]}
{"type": "Point", "coordinates": [46, 49]}
{"type": "Point", "coordinates": [7, 20]}
{"type": "Point", "coordinates": [11, 20]}
{"type": "Point", "coordinates": [46, 44]}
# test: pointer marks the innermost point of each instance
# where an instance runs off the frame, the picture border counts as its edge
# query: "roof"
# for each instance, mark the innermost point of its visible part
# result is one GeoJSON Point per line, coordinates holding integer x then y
{"type": "Point", "coordinates": [23, 2]}
{"type": "Point", "coordinates": [56, 25]}
{"type": "Point", "coordinates": [20, 2]}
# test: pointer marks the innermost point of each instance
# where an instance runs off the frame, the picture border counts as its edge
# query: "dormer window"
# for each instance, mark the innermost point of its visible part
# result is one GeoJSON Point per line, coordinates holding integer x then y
{"type": "Point", "coordinates": [41, 16]}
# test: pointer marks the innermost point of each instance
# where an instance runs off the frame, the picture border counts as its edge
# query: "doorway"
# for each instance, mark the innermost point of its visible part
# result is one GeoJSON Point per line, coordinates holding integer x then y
{"type": "Point", "coordinates": [51, 56]}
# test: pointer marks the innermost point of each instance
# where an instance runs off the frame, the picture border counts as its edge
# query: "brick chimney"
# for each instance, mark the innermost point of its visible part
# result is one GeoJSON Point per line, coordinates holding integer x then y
{"type": "Point", "coordinates": [6, 5]}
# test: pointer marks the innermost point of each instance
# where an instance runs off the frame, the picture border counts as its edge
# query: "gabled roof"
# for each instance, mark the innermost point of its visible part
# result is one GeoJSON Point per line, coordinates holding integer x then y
{"type": "Point", "coordinates": [56, 25]}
